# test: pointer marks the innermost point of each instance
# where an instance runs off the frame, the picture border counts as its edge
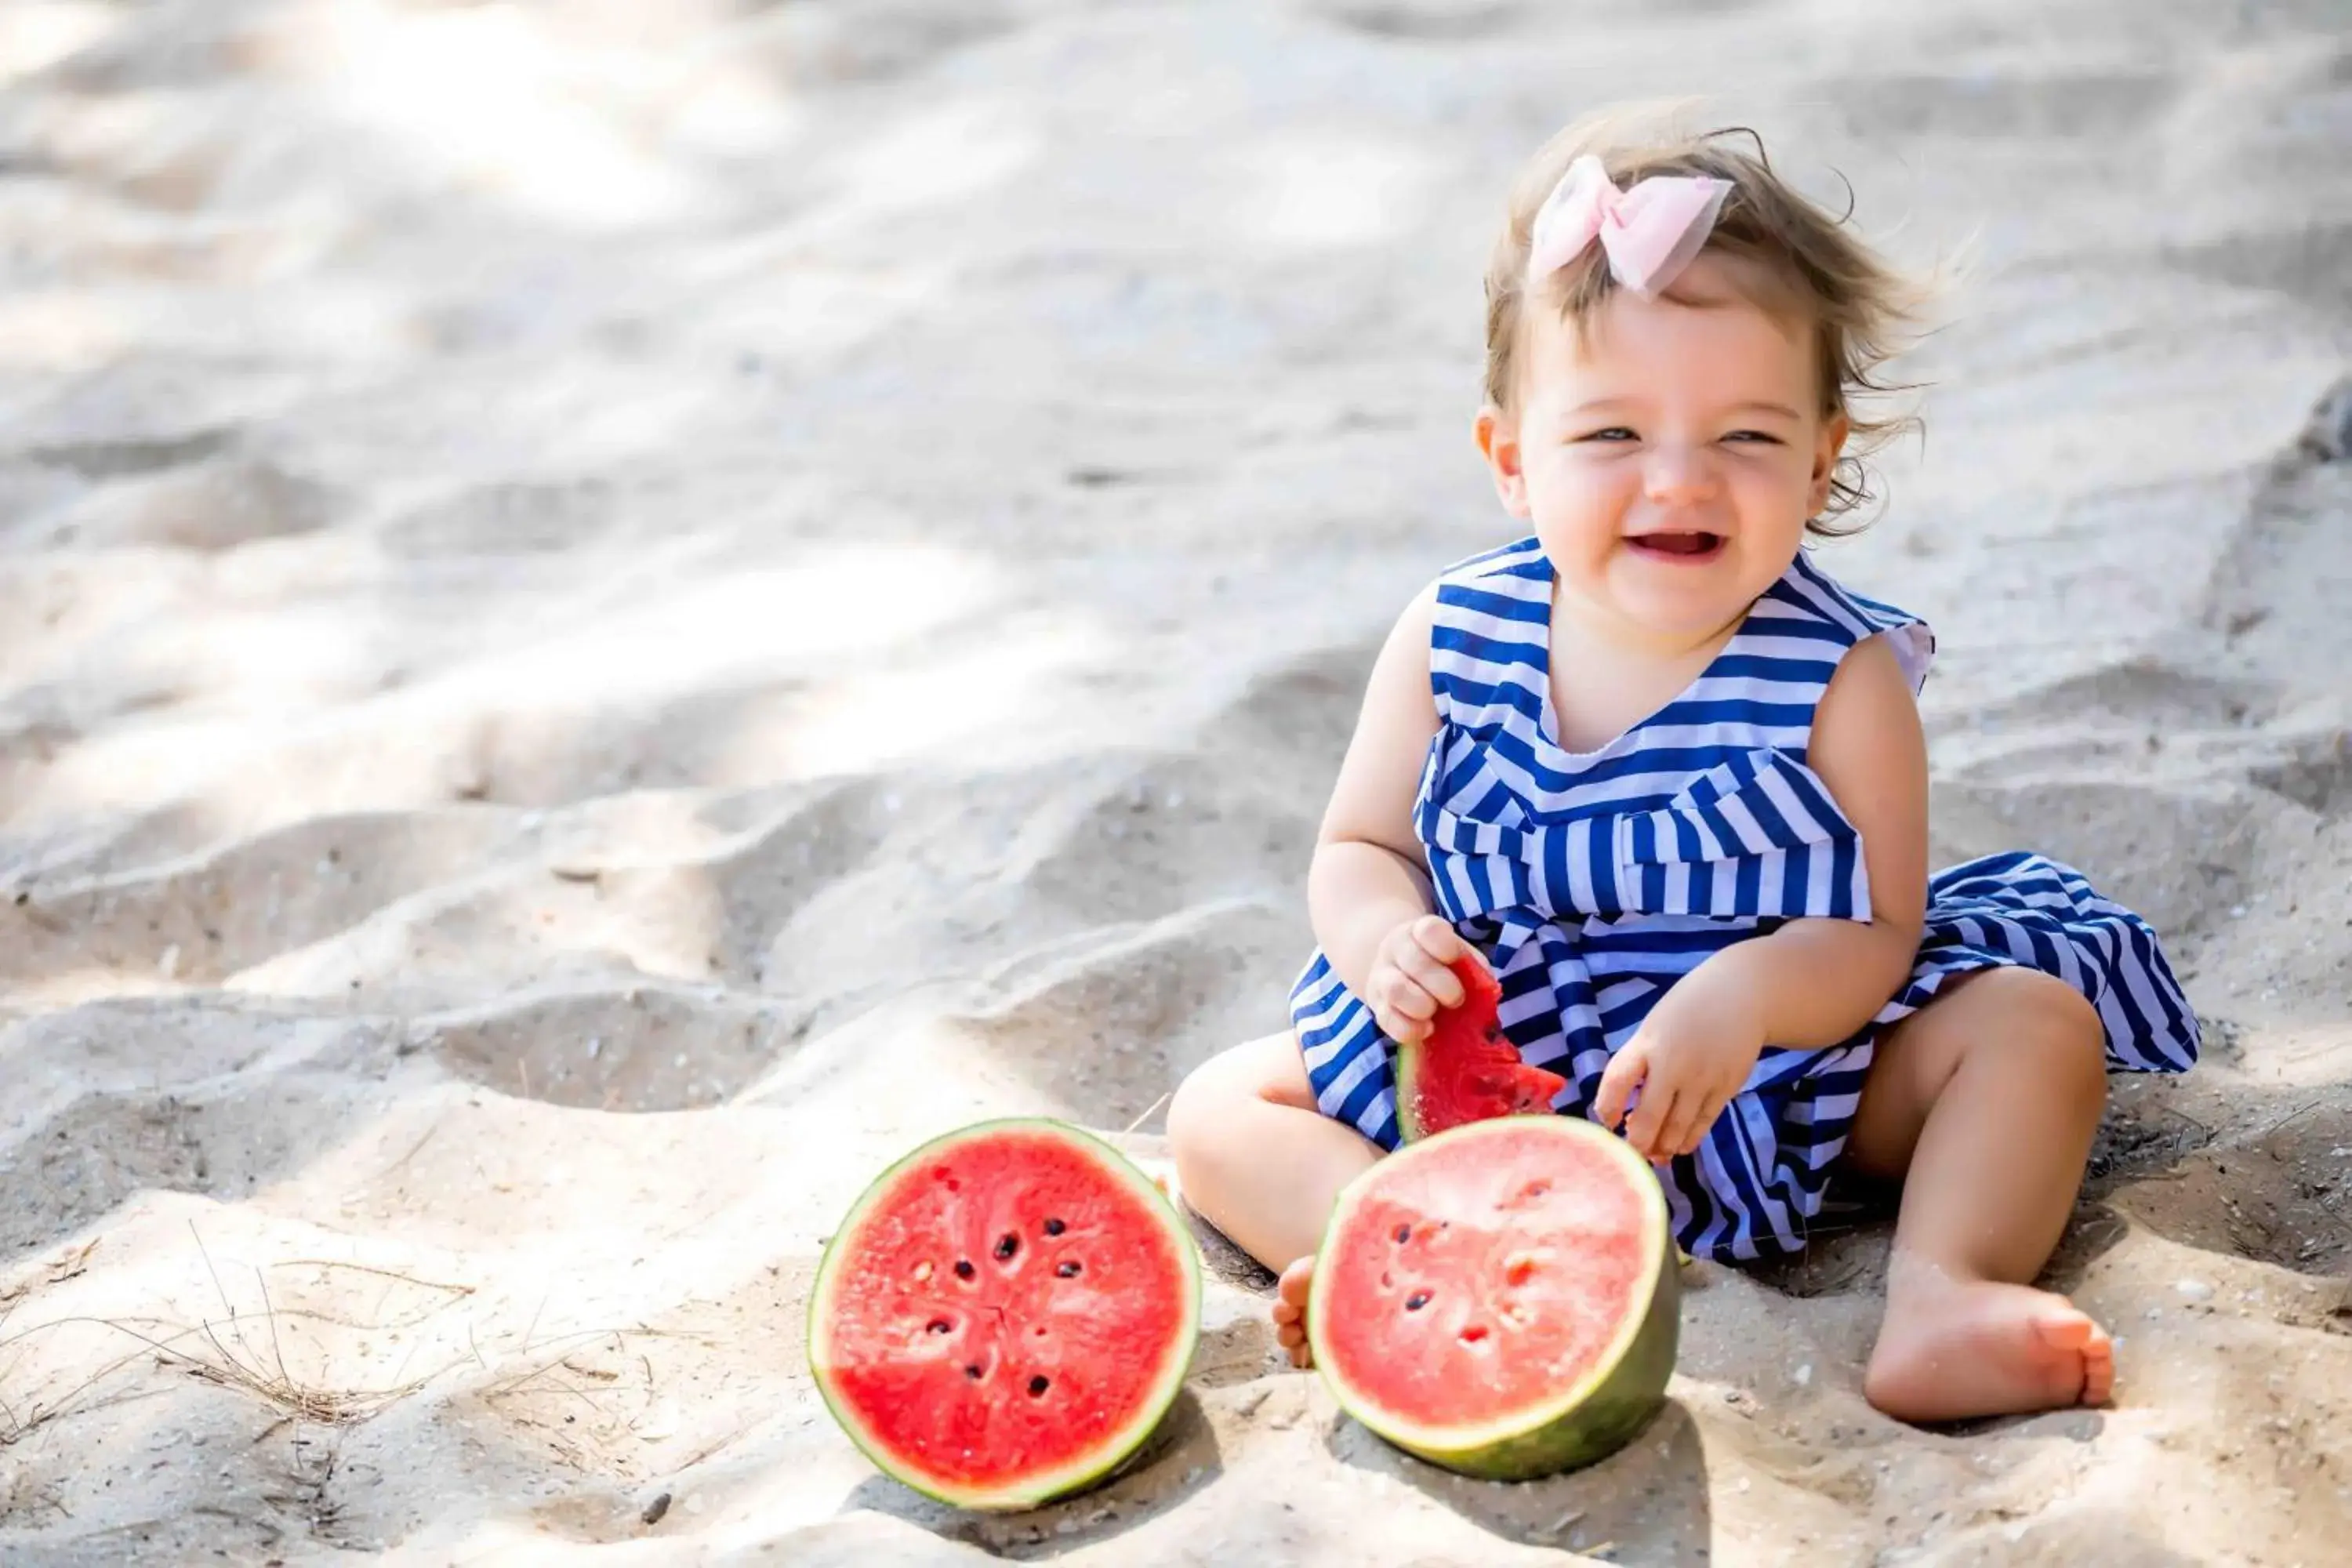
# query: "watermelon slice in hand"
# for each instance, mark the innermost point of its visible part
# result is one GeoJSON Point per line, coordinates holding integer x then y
{"type": "Point", "coordinates": [1466, 1069]}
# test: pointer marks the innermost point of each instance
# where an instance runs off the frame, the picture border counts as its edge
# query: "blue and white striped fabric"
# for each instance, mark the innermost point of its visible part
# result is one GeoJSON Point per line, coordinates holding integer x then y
{"type": "Point", "coordinates": [1593, 882]}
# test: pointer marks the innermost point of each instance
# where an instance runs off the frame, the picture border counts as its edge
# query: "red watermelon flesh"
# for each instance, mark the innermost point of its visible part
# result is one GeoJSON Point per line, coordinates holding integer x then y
{"type": "Point", "coordinates": [1501, 1300]}
{"type": "Point", "coordinates": [1467, 1069]}
{"type": "Point", "coordinates": [1006, 1315]}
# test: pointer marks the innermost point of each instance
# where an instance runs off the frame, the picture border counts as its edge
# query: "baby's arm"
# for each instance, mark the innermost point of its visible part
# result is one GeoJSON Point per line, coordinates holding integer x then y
{"type": "Point", "coordinates": [1368, 893]}
{"type": "Point", "coordinates": [1811, 983]}
{"type": "Point", "coordinates": [1818, 981]}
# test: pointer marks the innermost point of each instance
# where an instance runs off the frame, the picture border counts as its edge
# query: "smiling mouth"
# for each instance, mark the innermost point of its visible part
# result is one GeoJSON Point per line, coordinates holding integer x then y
{"type": "Point", "coordinates": [1687, 547]}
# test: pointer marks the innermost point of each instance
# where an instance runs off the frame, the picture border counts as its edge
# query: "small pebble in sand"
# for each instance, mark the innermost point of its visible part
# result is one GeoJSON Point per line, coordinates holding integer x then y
{"type": "Point", "coordinates": [2154, 1313]}
{"type": "Point", "coordinates": [1804, 1374]}
{"type": "Point", "coordinates": [2193, 1290]}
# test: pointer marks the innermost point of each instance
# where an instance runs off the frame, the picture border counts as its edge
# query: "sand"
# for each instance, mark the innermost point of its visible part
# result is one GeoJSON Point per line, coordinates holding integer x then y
{"type": "Point", "coordinates": [610, 613]}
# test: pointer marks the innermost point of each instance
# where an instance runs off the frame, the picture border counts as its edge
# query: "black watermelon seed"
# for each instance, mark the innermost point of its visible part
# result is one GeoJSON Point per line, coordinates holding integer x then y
{"type": "Point", "coordinates": [964, 1270]}
{"type": "Point", "coordinates": [1416, 1301]}
{"type": "Point", "coordinates": [937, 1325]}
{"type": "Point", "coordinates": [1055, 1228]}
{"type": "Point", "coordinates": [972, 1372]}
{"type": "Point", "coordinates": [1007, 1246]}
{"type": "Point", "coordinates": [1404, 1234]}
{"type": "Point", "coordinates": [1038, 1385]}
{"type": "Point", "coordinates": [1068, 1271]}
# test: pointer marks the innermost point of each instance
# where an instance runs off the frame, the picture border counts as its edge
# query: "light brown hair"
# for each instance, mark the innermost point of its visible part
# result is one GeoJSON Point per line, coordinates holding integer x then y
{"type": "Point", "coordinates": [1802, 263]}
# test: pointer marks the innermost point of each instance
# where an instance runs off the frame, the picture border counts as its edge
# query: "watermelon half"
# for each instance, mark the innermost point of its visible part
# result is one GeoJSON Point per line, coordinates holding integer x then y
{"type": "Point", "coordinates": [1006, 1315]}
{"type": "Point", "coordinates": [1466, 1069]}
{"type": "Point", "coordinates": [1501, 1300]}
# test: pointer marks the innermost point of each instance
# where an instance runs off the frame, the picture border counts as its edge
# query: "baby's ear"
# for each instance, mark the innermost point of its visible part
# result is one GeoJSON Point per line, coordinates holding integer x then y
{"type": "Point", "coordinates": [1825, 458]}
{"type": "Point", "coordinates": [1498, 442]}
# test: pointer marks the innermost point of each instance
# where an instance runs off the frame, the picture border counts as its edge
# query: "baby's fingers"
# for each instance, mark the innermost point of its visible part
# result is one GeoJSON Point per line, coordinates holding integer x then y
{"type": "Point", "coordinates": [1435, 935]}
{"type": "Point", "coordinates": [1397, 1023]}
{"type": "Point", "coordinates": [1404, 1031]}
{"type": "Point", "coordinates": [1645, 1128]}
{"type": "Point", "coordinates": [1716, 1105]}
{"type": "Point", "coordinates": [1693, 1113]}
{"type": "Point", "coordinates": [1399, 993]}
{"type": "Point", "coordinates": [1435, 980]}
{"type": "Point", "coordinates": [1625, 1073]}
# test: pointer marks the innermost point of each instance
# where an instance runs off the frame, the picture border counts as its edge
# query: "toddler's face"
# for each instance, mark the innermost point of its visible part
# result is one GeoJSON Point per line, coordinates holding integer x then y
{"type": "Point", "coordinates": [1669, 462]}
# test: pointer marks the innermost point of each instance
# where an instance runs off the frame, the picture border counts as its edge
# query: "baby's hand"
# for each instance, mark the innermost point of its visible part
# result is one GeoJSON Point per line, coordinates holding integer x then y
{"type": "Point", "coordinates": [1411, 979]}
{"type": "Point", "coordinates": [1690, 1056]}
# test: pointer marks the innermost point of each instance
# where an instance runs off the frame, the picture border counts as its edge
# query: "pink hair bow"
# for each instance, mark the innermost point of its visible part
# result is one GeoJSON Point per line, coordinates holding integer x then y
{"type": "Point", "coordinates": [1650, 232]}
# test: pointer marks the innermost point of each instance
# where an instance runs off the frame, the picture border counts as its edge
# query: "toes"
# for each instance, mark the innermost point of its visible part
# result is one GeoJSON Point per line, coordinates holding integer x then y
{"type": "Point", "coordinates": [1287, 1311]}
{"type": "Point", "coordinates": [1987, 1349]}
{"type": "Point", "coordinates": [1292, 1287]}
{"type": "Point", "coordinates": [2099, 1371]}
{"type": "Point", "coordinates": [2066, 1328]}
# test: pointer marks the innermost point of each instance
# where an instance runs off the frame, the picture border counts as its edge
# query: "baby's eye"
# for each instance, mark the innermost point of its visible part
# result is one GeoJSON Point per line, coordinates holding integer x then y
{"type": "Point", "coordinates": [1764, 436]}
{"type": "Point", "coordinates": [1613, 433]}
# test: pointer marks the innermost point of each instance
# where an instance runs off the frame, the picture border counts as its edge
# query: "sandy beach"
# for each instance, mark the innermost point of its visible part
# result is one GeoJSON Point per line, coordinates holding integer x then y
{"type": "Point", "coordinates": [609, 614]}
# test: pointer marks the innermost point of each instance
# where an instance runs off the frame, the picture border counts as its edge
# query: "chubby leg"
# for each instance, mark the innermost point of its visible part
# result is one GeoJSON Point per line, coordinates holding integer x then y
{"type": "Point", "coordinates": [1984, 1103]}
{"type": "Point", "coordinates": [1255, 1157]}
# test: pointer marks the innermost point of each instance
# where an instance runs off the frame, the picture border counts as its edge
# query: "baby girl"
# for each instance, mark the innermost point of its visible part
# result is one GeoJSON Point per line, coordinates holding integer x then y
{"type": "Point", "coordinates": [1665, 777]}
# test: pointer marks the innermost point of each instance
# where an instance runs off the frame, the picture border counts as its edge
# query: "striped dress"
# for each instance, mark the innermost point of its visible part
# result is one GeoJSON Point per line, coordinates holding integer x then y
{"type": "Point", "coordinates": [1591, 881]}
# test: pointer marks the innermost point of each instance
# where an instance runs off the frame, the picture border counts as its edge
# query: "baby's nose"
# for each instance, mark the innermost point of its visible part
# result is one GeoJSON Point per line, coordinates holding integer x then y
{"type": "Point", "coordinates": [1677, 476]}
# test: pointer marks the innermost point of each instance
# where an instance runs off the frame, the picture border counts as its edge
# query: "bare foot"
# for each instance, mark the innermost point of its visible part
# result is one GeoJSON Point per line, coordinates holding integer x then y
{"type": "Point", "coordinates": [1953, 1348]}
{"type": "Point", "coordinates": [1290, 1312]}
{"type": "Point", "coordinates": [1164, 1176]}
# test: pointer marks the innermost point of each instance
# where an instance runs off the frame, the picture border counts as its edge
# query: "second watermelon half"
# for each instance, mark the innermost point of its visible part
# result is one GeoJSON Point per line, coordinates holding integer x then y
{"type": "Point", "coordinates": [1501, 1300]}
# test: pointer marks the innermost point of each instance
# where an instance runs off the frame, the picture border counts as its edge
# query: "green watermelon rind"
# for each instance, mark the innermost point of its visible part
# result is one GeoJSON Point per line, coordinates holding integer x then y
{"type": "Point", "coordinates": [1410, 1062]}
{"type": "Point", "coordinates": [1581, 1426]}
{"type": "Point", "coordinates": [1411, 1058]}
{"type": "Point", "coordinates": [1117, 1450]}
